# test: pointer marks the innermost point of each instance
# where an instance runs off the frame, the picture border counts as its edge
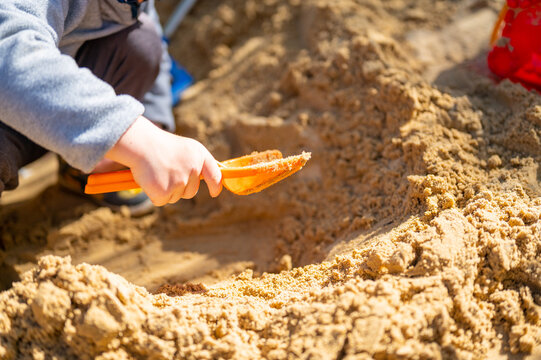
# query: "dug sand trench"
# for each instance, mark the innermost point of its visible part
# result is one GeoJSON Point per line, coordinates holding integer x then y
{"type": "Point", "coordinates": [413, 232]}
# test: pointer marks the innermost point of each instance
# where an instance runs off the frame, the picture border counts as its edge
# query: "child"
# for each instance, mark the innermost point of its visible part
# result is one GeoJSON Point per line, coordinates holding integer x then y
{"type": "Point", "coordinates": [89, 80]}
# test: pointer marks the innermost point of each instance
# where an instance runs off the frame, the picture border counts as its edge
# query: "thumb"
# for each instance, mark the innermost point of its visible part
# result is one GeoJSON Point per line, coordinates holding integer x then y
{"type": "Point", "coordinates": [212, 176]}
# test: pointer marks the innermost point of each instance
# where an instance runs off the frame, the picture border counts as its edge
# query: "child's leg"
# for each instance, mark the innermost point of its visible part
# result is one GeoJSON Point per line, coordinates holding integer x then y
{"type": "Point", "coordinates": [128, 60]}
{"type": "Point", "coordinates": [16, 150]}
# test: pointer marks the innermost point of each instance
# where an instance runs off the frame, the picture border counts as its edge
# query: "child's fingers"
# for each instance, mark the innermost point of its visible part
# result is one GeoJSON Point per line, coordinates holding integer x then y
{"type": "Point", "coordinates": [177, 195]}
{"type": "Point", "coordinates": [157, 200]}
{"type": "Point", "coordinates": [192, 187]}
{"type": "Point", "coordinates": [159, 189]}
{"type": "Point", "coordinates": [212, 176]}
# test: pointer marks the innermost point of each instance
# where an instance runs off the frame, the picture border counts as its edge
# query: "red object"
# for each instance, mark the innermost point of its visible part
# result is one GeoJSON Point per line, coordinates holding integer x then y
{"type": "Point", "coordinates": [516, 54]}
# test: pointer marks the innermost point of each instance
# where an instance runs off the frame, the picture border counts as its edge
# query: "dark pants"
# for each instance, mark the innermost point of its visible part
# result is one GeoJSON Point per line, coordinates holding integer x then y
{"type": "Point", "coordinates": [128, 60]}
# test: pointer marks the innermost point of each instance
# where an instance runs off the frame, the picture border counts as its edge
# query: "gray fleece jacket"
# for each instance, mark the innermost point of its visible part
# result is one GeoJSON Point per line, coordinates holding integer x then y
{"type": "Point", "coordinates": [47, 97]}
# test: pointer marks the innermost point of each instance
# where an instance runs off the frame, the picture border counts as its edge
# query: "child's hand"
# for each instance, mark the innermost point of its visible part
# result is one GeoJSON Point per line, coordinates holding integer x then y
{"type": "Point", "coordinates": [166, 166]}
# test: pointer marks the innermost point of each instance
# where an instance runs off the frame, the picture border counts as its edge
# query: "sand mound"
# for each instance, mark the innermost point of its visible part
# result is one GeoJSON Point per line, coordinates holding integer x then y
{"type": "Point", "coordinates": [412, 233]}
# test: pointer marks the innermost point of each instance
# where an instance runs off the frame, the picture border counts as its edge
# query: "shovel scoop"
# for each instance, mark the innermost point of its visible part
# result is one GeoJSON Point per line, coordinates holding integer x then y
{"type": "Point", "coordinates": [242, 176]}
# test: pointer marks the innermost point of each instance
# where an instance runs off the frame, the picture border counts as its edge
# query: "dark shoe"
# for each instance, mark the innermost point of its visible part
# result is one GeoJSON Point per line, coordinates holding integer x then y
{"type": "Point", "coordinates": [136, 201]}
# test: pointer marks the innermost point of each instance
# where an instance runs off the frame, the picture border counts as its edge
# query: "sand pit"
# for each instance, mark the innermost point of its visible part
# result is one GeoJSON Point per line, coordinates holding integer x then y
{"type": "Point", "coordinates": [413, 232]}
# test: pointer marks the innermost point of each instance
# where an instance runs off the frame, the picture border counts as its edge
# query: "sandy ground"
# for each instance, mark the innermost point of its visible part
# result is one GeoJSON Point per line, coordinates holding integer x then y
{"type": "Point", "coordinates": [412, 233]}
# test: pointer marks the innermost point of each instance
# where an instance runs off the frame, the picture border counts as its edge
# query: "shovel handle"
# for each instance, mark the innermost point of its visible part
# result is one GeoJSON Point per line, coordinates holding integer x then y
{"type": "Point", "coordinates": [123, 180]}
{"type": "Point", "coordinates": [111, 181]}
{"type": "Point", "coordinates": [111, 187]}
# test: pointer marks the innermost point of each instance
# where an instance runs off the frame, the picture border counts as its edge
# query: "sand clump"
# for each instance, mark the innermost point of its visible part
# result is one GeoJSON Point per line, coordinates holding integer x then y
{"type": "Point", "coordinates": [412, 233]}
{"type": "Point", "coordinates": [181, 289]}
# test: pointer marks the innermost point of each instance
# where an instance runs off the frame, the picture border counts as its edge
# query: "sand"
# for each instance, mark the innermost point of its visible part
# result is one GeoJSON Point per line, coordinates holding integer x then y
{"type": "Point", "coordinates": [412, 233]}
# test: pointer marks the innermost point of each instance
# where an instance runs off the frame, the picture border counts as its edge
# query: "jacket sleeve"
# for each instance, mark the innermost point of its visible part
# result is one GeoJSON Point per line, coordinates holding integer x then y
{"type": "Point", "coordinates": [46, 96]}
{"type": "Point", "coordinates": [159, 100]}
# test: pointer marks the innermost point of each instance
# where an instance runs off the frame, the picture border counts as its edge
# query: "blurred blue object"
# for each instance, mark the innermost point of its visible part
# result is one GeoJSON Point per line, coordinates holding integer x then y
{"type": "Point", "coordinates": [181, 81]}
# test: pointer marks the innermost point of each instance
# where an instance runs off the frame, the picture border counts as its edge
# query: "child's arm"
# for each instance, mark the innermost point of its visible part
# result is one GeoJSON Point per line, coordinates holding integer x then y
{"type": "Point", "coordinates": [166, 166]}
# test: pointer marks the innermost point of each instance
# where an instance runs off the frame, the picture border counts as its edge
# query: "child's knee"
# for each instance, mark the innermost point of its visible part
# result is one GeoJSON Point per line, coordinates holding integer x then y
{"type": "Point", "coordinates": [128, 60]}
{"type": "Point", "coordinates": [16, 150]}
{"type": "Point", "coordinates": [146, 49]}
{"type": "Point", "coordinates": [9, 172]}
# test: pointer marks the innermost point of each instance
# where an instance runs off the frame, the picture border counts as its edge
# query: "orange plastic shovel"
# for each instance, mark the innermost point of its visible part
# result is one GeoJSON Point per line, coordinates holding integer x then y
{"type": "Point", "coordinates": [242, 176]}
